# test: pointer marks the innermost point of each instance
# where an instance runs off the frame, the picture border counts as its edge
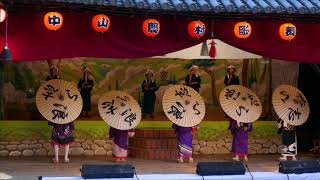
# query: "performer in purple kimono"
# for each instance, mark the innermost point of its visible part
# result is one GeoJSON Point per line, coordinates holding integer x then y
{"type": "Point", "coordinates": [184, 137]}
{"type": "Point", "coordinates": [120, 143]}
{"type": "Point", "coordinates": [239, 132]}
{"type": "Point", "coordinates": [62, 134]}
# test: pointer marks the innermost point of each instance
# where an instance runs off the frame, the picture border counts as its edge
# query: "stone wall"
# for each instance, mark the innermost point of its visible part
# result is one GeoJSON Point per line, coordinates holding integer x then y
{"type": "Point", "coordinates": [223, 146]}
{"type": "Point", "coordinates": [81, 147]}
{"type": "Point", "coordinates": [84, 147]}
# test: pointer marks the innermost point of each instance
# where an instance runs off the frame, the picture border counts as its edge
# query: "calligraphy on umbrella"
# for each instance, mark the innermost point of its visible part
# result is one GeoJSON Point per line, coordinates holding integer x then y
{"type": "Point", "coordinates": [182, 104]}
{"type": "Point", "coordinates": [59, 101]}
{"type": "Point", "coordinates": [240, 103]}
{"type": "Point", "coordinates": [290, 104]}
{"type": "Point", "coordinates": [119, 110]}
{"type": "Point", "coordinates": [126, 112]}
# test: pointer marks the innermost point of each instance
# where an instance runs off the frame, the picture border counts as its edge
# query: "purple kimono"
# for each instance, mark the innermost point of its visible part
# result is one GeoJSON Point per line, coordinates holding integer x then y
{"type": "Point", "coordinates": [184, 137]}
{"type": "Point", "coordinates": [62, 134]}
{"type": "Point", "coordinates": [120, 142]}
{"type": "Point", "coordinates": [240, 137]}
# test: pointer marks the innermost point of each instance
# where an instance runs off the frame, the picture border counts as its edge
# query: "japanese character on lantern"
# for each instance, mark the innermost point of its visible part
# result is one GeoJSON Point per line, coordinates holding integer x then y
{"type": "Point", "coordinates": [53, 21]}
{"type": "Point", "coordinates": [151, 27]}
{"type": "Point", "coordinates": [196, 29]}
{"type": "Point", "coordinates": [242, 30]}
{"type": "Point", "coordinates": [287, 31]}
{"type": "Point", "coordinates": [100, 23]}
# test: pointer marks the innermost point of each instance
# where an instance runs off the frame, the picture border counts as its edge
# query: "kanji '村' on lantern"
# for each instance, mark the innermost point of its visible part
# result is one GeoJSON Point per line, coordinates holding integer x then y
{"type": "Point", "coordinates": [196, 29]}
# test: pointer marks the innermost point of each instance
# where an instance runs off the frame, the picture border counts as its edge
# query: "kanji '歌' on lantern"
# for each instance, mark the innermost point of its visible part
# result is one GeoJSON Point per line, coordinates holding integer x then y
{"type": "Point", "coordinates": [196, 29]}
{"type": "Point", "coordinates": [242, 30]}
{"type": "Point", "coordinates": [53, 21]}
{"type": "Point", "coordinates": [287, 31]}
{"type": "Point", "coordinates": [151, 27]}
{"type": "Point", "coordinates": [100, 23]}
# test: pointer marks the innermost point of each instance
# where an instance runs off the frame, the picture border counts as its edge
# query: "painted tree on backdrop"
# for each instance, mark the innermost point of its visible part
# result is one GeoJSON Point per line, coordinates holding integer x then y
{"type": "Point", "coordinates": [208, 66]}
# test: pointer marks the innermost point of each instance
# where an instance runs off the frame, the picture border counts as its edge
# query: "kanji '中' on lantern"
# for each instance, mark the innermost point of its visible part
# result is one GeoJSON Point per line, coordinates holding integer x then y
{"type": "Point", "coordinates": [287, 31]}
{"type": "Point", "coordinates": [151, 27]}
{"type": "Point", "coordinates": [53, 21]}
{"type": "Point", "coordinates": [242, 30]}
{"type": "Point", "coordinates": [3, 15]}
{"type": "Point", "coordinates": [100, 23]}
{"type": "Point", "coordinates": [196, 29]}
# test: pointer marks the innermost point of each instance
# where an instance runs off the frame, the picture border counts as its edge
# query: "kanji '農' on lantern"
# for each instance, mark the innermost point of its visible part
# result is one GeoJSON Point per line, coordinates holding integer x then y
{"type": "Point", "coordinates": [151, 27]}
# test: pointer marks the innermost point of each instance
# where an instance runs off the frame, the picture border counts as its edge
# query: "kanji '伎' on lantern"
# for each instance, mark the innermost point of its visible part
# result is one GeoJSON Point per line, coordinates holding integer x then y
{"type": "Point", "coordinates": [287, 31]}
{"type": "Point", "coordinates": [196, 29]}
{"type": "Point", "coordinates": [100, 23]}
{"type": "Point", "coordinates": [242, 30]}
{"type": "Point", "coordinates": [151, 27]}
{"type": "Point", "coordinates": [53, 21]}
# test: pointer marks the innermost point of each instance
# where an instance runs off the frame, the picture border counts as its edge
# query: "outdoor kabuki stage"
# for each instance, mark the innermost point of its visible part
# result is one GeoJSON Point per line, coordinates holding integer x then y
{"type": "Point", "coordinates": [160, 89]}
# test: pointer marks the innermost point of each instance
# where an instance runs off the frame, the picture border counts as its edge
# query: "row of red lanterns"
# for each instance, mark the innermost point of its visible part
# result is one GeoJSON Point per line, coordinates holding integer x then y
{"type": "Point", "coordinates": [151, 27]}
{"type": "Point", "coordinates": [287, 31]}
{"type": "Point", "coordinates": [101, 23]}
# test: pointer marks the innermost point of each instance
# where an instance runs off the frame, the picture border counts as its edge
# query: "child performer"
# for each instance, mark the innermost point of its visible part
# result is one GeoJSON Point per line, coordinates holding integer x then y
{"type": "Point", "coordinates": [289, 141]}
{"type": "Point", "coordinates": [120, 143]}
{"type": "Point", "coordinates": [184, 137]}
{"type": "Point", "coordinates": [239, 132]}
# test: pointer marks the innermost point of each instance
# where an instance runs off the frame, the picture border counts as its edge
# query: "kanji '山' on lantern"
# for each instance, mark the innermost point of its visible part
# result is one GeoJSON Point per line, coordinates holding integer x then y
{"type": "Point", "coordinates": [242, 30]}
{"type": "Point", "coordinates": [287, 31]}
{"type": "Point", "coordinates": [196, 29]}
{"type": "Point", "coordinates": [53, 21]}
{"type": "Point", "coordinates": [151, 27]}
{"type": "Point", "coordinates": [100, 23]}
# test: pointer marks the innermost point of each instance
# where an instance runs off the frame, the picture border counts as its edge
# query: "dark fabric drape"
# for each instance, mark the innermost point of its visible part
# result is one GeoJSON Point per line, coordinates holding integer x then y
{"type": "Point", "coordinates": [30, 40]}
{"type": "Point", "coordinates": [265, 40]}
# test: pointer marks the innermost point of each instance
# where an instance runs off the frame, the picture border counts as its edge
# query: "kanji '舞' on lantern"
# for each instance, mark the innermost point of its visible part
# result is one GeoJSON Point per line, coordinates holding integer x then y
{"type": "Point", "coordinates": [196, 29]}
{"type": "Point", "coordinates": [53, 21]}
{"type": "Point", "coordinates": [151, 27]}
{"type": "Point", "coordinates": [287, 31]}
{"type": "Point", "coordinates": [100, 23]}
{"type": "Point", "coordinates": [242, 30]}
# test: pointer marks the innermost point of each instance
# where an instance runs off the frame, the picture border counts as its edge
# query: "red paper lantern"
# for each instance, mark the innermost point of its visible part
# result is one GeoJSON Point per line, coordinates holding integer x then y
{"type": "Point", "coordinates": [53, 21]}
{"type": "Point", "coordinates": [100, 23]}
{"type": "Point", "coordinates": [242, 30]}
{"type": "Point", "coordinates": [3, 15]}
{"type": "Point", "coordinates": [151, 27]}
{"type": "Point", "coordinates": [196, 29]}
{"type": "Point", "coordinates": [287, 31]}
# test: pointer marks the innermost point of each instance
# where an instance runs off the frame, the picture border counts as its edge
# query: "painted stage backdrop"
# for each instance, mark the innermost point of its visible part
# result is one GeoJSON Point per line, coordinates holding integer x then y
{"type": "Point", "coordinates": [22, 80]}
